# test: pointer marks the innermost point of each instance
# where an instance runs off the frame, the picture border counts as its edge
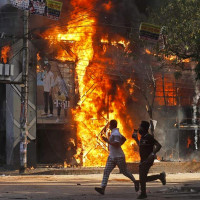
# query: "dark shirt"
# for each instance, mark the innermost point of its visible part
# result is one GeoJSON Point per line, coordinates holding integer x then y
{"type": "Point", "coordinates": [146, 145]}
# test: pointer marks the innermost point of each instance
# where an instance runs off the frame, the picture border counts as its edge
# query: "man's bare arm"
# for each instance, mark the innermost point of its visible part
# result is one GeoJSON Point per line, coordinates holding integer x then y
{"type": "Point", "coordinates": [152, 156]}
{"type": "Point", "coordinates": [157, 147]}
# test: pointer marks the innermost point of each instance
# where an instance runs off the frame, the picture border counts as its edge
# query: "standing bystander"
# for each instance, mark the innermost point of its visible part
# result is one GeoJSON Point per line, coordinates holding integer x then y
{"type": "Point", "coordinates": [48, 83]}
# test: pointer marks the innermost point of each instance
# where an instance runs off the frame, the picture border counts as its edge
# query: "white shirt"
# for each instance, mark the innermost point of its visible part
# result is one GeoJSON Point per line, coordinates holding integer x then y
{"type": "Point", "coordinates": [115, 137]}
{"type": "Point", "coordinates": [48, 81]}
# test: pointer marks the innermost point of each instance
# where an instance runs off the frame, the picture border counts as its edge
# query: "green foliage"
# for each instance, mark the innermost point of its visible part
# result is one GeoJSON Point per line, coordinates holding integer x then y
{"type": "Point", "coordinates": [181, 19]}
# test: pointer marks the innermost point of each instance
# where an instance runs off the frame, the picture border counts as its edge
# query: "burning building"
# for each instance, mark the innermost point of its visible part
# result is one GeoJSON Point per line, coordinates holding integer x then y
{"type": "Point", "coordinates": [102, 71]}
{"type": "Point", "coordinates": [108, 80]}
{"type": "Point", "coordinates": [109, 76]}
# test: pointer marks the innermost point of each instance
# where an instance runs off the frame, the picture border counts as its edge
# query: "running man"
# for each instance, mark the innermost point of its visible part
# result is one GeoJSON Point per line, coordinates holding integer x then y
{"type": "Point", "coordinates": [116, 157]}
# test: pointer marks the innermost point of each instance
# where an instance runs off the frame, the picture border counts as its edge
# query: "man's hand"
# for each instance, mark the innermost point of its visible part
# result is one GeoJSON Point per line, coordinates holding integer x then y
{"type": "Point", "coordinates": [135, 137]}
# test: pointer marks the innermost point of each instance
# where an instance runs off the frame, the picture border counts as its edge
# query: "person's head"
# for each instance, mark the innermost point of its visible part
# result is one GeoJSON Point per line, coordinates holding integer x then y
{"type": "Point", "coordinates": [113, 124]}
{"type": "Point", "coordinates": [47, 67]}
{"type": "Point", "coordinates": [144, 127]}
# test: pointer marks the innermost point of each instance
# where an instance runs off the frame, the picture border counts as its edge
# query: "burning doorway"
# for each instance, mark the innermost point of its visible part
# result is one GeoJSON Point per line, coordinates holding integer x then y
{"type": "Point", "coordinates": [187, 146]}
{"type": "Point", "coordinates": [103, 72]}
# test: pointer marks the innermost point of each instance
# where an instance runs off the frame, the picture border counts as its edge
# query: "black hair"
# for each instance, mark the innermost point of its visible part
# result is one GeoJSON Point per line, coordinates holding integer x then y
{"type": "Point", "coordinates": [113, 123]}
{"type": "Point", "coordinates": [145, 125]}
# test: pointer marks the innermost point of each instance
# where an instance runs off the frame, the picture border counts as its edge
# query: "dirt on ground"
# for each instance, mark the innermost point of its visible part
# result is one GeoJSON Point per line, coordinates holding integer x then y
{"type": "Point", "coordinates": [81, 187]}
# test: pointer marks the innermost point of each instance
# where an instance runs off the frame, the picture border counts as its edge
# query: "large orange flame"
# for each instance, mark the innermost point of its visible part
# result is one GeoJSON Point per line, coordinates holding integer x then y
{"type": "Point", "coordinates": [169, 93]}
{"type": "Point", "coordinates": [4, 53]}
{"type": "Point", "coordinates": [169, 57]}
{"type": "Point", "coordinates": [97, 103]}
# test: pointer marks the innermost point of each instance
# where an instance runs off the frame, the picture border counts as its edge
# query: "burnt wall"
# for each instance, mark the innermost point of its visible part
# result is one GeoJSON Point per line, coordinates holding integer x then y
{"type": "Point", "coordinates": [54, 143]}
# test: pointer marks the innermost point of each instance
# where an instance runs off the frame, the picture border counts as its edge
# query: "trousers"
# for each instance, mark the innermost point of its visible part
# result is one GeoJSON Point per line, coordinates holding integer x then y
{"type": "Point", "coordinates": [143, 172]}
{"type": "Point", "coordinates": [48, 102]}
{"type": "Point", "coordinates": [111, 164]}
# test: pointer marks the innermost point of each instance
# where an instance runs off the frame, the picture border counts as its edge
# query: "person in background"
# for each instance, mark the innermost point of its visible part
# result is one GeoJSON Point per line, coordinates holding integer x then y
{"type": "Point", "coordinates": [116, 157]}
{"type": "Point", "coordinates": [62, 95]}
{"type": "Point", "coordinates": [148, 147]}
{"type": "Point", "coordinates": [48, 83]}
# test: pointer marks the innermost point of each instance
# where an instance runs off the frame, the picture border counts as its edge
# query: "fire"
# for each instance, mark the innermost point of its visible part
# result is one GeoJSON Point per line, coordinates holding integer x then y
{"type": "Point", "coordinates": [81, 33]}
{"type": "Point", "coordinates": [189, 142]}
{"type": "Point", "coordinates": [65, 165]}
{"type": "Point", "coordinates": [101, 99]}
{"type": "Point", "coordinates": [169, 57]}
{"type": "Point", "coordinates": [159, 158]}
{"type": "Point", "coordinates": [169, 92]}
{"type": "Point", "coordinates": [187, 60]}
{"type": "Point", "coordinates": [38, 67]}
{"type": "Point", "coordinates": [131, 84]}
{"type": "Point", "coordinates": [147, 51]}
{"type": "Point", "coordinates": [4, 54]}
{"type": "Point", "coordinates": [104, 40]}
{"type": "Point", "coordinates": [107, 6]}
{"type": "Point", "coordinates": [38, 57]}
{"type": "Point", "coordinates": [124, 43]}
{"type": "Point", "coordinates": [115, 43]}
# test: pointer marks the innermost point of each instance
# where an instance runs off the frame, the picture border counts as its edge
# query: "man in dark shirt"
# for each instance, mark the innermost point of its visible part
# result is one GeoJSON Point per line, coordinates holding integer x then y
{"type": "Point", "coordinates": [148, 147]}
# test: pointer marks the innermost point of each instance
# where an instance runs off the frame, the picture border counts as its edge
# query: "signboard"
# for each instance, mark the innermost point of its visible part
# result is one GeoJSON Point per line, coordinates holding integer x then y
{"type": "Point", "coordinates": [21, 4]}
{"type": "Point", "coordinates": [37, 7]}
{"type": "Point", "coordinates": [54, 89]}
{"type": "Point", "coordinates": [149, 32]}
{"type": "Point", "coordinates": [53, 9]}
{"type": "Point", "coordinates": [50, 8]}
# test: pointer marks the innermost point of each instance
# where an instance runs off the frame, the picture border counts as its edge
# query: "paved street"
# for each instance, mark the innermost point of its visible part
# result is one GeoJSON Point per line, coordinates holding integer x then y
{"type": "Point", "coordinates": [81, 187]}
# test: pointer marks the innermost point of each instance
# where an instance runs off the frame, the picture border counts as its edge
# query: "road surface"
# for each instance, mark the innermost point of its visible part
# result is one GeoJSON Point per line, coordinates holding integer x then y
{"type": "Point", "coordinates": [81, 187]}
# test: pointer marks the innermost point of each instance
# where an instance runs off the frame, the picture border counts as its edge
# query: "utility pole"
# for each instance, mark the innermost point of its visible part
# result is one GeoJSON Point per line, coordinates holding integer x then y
{"type": "Point", "coordinates": [24, 97]}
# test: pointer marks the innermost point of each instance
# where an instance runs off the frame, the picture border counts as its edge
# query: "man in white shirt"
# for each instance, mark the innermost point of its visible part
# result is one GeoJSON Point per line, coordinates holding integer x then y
{"type": "Point", "coordinates": [48, 83]}
{"type": "Point", "coordinates": [116, 157]}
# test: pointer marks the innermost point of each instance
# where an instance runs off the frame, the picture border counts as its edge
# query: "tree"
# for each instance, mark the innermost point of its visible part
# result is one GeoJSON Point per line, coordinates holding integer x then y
{"type": "Point", "coordinates": [150, 88]}
{"type": "Point", "coordinates": [181, 19]}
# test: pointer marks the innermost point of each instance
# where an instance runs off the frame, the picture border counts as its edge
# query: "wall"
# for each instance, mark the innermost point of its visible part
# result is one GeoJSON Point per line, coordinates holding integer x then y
{"type": "Point", "coordinates": [13, 110]}
{"type": "Point", "coordinates": [2, 124]}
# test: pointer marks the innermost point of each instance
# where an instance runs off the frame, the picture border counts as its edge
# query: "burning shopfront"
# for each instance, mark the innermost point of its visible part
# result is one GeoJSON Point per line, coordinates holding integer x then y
{"type": "Point", "coordinates": [108, 76]}
{"type": "Point", "coordinates": [102, 86]}
{"type": "Point", "coordinates": [109, 84]}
